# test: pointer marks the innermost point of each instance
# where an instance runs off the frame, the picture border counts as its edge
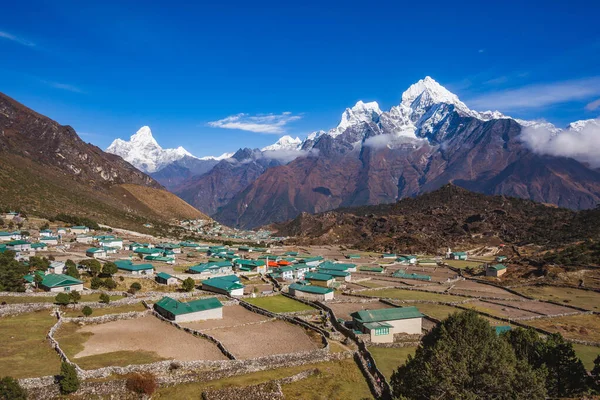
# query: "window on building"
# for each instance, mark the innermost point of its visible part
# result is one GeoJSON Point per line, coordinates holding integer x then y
{"type": "Point", "coordinates": [382, 331]}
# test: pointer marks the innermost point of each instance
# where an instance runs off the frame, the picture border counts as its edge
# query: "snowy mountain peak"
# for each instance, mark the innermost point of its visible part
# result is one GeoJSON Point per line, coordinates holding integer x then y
{"type": "Point", "coordinates": [361, 112]}
{"type": "Point", "coordinates": [144, 135]}
{"type": "Point", "coordinates": [284, 143]}
{"type": "Point", "coordinates": [223, 156]}
{"type": "Point", "coordinates": [578, 126]}
{"type": "Point", "coordinates": [434, 92]}
{"type": "Point", "coordinates": [144, 152]}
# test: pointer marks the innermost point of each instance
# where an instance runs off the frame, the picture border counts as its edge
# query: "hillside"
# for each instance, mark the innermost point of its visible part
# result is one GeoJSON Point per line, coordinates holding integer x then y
{"type": "Point", "coordinates": [46, 169]}
{"type": "Point", "coordinates": [448, 217]}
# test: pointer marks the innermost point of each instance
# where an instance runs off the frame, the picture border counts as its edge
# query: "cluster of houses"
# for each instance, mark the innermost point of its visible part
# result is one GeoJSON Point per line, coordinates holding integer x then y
{"type": "Point", "coordinates": [54, 279]}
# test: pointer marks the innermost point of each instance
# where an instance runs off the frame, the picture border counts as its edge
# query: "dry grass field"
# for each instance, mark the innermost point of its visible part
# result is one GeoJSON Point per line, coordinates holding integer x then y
{"type": "Point", "coordinates": [389, 359]}
{"type": "Point", "coordinates": [232, 316]}
{"type": "Point", "coordinates": [498, 310]}
{"type": "Point", "coordinates": [133, 341]}
{"type": "Point", "coordinates": [477, 289]}
{"type": "Point", "coordinates": [400, 294]}
{"type": "Point", "coordinates": [575, 297]}
{"type": "Point", "coordinates": [581, 327]}
{"type": "Point", "coordinates": [343, 310]}
{"type": "Point", "coordinates": [539, 307]}
{"type": "Point", "coordinates": [258, 340]}
{"type": "Point", "coordinates": [163, 203]}
{"type": "Point", "coordinates": [279, 304]}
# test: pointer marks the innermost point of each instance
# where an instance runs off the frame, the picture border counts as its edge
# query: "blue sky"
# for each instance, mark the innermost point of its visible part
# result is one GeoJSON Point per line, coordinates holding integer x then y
{"type": "Point", "coordinates": [107, 68]}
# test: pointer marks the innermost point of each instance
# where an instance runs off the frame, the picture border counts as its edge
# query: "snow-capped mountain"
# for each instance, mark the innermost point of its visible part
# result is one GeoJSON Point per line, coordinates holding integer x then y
{"type": "Point", "coordinates": [144, 153]}
{"type": "Point", "coordinates": [223, 156]}
{"type": "Point", "coordinates": [285, 143]}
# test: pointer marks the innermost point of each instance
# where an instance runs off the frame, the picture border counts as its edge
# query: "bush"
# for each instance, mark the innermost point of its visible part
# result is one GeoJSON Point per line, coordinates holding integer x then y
{"type": "Point", "coordinates": [142, 383]}
{"type": "Point", "coordinates": [110, 284]}
{"type": "Point", "coordinates": [188, 284]}
{"type": "Point", "coordinates": [62, 299]}
{"type": "Point", "coordinates": [87, 311]}
{"type": "Point", "coordinates": [136, 286]}
{"type": "Point", "coordinates": [104, 298]}
{"type": "Point", "coordinates": [109, 268]}
{"type": "Point", "coordinates": [96, 283]}
{"type": "Point", "coordinates": [74, 296]}
{"type": "Point", "coordinates": [69, 381]}
{"type": "Point", "coordinates": [11, 390]}
{"type": "Point", "coordinates": [121, 278]}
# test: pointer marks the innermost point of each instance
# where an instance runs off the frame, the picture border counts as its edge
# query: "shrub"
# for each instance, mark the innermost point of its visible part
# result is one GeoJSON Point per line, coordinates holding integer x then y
{"type": "Point", "coordinates": [121, 278]}
{"type": "Point", "coordinates": [96, 283]}
{"type": "Point", "coordinates": [109, 268]}
{"type": "Point", "coordinates": [11, 390]}
{"type": "Point", "coordinates": [188, 284]}
{"type": "Point", "coordinates": [62, 299]}
{"type": "Point", "coordinates": [142, 383]}
{"type": "Point", "coordinates": [136, 286]}
{"type": "Point", "coordinates": [87, 311]}
{"type": "Point", "coordinates": [74, 296]}
{"type": "Point", "coordinates": [104, 298]}
{"type": "Point", "coordinates": [69, 381]}
{"type": "Point", "coordinates": [110, 284]}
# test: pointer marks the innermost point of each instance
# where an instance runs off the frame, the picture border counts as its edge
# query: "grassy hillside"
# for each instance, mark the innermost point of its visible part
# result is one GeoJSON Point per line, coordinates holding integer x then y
{"type": "Point", "coordinates": [47, 191]}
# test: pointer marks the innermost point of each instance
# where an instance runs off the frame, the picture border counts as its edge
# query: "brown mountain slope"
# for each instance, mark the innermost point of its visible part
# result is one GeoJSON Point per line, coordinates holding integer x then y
{"type": "Point", "coordinates": [46, 169]}
{"type": "Point", "coordinates": [447, 217]}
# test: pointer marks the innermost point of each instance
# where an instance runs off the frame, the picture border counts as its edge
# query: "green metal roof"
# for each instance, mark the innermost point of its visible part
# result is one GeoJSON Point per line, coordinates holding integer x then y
{"type": "Point", "coordinates": [500, 329]}
{"type": "Point", "coordinates": [291, 253]}
{"type": "Point", "coordinates": [333, 272]}
{"type": "Point", "coordinates": [17, 242]}
{"type": "Point", "coordinates": [317, 276]}
{"type": "Point", "coordinates": [37, 245]}
{"type": "Point", "coordinates": [228, 283]}
{"type": "Point", "coordinates": [250, 263]}
{"type": "Point", "coordinates": [310, 288]}
{"type": "Point", "coordinates": [79, 227]}
{"type": "Point", "coordinates": [387, 314]}
{"type": "Point", "coordinates": [57, 280]}
{"type": "Point", "coordinates": [94, 250]}
{"type": "Point", "coordinates": [144, 250]}
{"type": "Point", "coordinates": [375, 325]}
{"type": "Point", "coordinates": [177, 307]}
{"type": "Point", "coordinates": [336, 266]}
{"type": "Point", "coordinates": [498, 267]}
{"type": "Point", "coordinates": [129, 266]}
{"type": "Point", "coordinates": [402, 274]}
{"type": "Point", "coordinates": [371, 269]}
{"type": "Point", "coordinates": [164, 275]}
{"type": "Point", "coordinates": [159, 258]}
{"type": "Point", "coordinates": [48, 238]}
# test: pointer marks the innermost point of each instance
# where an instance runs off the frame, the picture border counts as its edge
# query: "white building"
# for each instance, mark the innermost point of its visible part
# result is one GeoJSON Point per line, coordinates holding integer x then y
{"type": "Point", "coordinates": [382, 324]}
{"type": "Point", "coordinates": [195, 310]}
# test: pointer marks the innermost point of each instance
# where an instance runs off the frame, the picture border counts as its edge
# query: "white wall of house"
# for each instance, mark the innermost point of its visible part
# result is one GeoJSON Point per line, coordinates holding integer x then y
{"type": "Point", "coordinates": [78, 287]}
{"type": "Point", "coordinates": [84, 239]}
{"type": "Point", "coordinates": [237, 292]}
{"type": "Point", "coordinates": [312, 296]}
{"type": "Point", "coordinates": [389, 338]}
{"type": "Point", "coordinates": [215, 313]}
{"type": "Point", "coordinates": [49, 242]}
{"type": "Point", "coordinates": [410, 326]}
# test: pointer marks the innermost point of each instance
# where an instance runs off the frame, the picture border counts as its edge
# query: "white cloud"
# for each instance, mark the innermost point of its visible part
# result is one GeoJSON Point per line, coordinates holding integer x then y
{"type": "Point", "coordinates": [538, 95]}
{"type": "Point", "coordinates": [583, 145]}
{"type": "Point", "coordinates": [16, 39]}
{"type": "Point", "coordinates": [481, 51]}
{"type": "Point", "coordinates": [261, 123]}
{"type": "Point", "coordinates": [594, 105]}
{"type": "Point", "coordinates": [63, 86]}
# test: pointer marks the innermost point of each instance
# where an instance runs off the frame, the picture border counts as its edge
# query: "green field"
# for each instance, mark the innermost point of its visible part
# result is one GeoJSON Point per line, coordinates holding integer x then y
{"type": "Point", "coordinates": [25, 351]}
{"type": "Point", "coordinates": [437, 311]}
{"type": "Point", "coordinates": [389, 359]}
{"type": "Point", "coordinates": [402, 294]}
{"type": "Point", "coordinates": [586, 299]}
{"type": "Point", "coordinates": [97, 312]}
{"type": "Point", "coordinates": [278, 304]}
{"type": "Point", "coordinates": [371, 284]}
{"type": "Point", "coordinates": [72, 342]}
{"type": "Point", "coordinates": [587, 354]}
{"type": "Point", "coordinates": [335, 380]}
{"type": "Point", "coordinates": [50, 299]}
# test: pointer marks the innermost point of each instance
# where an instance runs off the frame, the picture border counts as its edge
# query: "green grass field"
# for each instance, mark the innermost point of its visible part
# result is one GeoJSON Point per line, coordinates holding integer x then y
{"type": "Point", "coordinates": [72, 342]}
{"type": "Point", "coordinates": [389, 359]}
{"type": "Point", "coordinates": [25, 351]}
{"type": "Point", "coordinates": [335, 380]}
{"type": "Point", "coordinates": [50, 299]}
{"type": "Point", "coordinates": [437, 311]}
{"type": "Point", "coordinates": [575, 297]}
{"type": "Point", "coordinates": [401, 294]}
{"type": "Point", "coordinates": [371, 284]}
{"type": "Point", "coordinates": [97, 312]}
{"type": "Point", "coordinates": [587, 354]}
{"type": "Point", "coordinates": [279, 304]}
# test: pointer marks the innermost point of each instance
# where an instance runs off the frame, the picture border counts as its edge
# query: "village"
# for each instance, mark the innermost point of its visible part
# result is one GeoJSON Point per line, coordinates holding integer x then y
{"type": "Point", "coordinates": [113, 302]}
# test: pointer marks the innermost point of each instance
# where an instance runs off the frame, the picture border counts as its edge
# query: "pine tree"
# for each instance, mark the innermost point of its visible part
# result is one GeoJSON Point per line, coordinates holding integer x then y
{"type": "Point", "coordinates": [69, 381]}
{"type": "Point", "coordinates": [464, 358]}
